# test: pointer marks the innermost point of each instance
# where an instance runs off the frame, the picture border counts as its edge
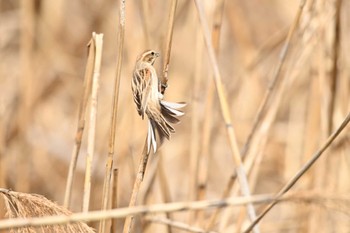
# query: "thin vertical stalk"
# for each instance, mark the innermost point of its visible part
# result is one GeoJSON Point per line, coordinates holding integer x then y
{"type": "Point", "coordinates": [241, 174]}
{"type": "Point", "coordinates": [92, 123]}
{"type": "Point", "coordinates": [139, 178]}
{"type": "Point", "coordinates": [169, 37]}
{"type": "Point", "coordinates": [114, 198]}
{"type": "Point", "coordinates": [206, 131]}
{"type": "Point", "coordinates": [81, 121]}
{"type": "Point", "coordinates": [109, 162]}
{"type": "Point", "coordinates": [336, 52]}
{"type": "Point", "coordinates": [194, 158]}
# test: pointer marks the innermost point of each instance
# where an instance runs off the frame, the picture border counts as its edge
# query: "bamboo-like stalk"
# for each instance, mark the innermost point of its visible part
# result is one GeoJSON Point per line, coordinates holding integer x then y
{"type": "Point", "coordinates": [81, 121]}
{"type": "Point", "coordinates": [207, 125]}
{"type": "Point", "coordinates": [335, 60]}
{"type": "Point", "coordinates": [169, 37]}
{"type": "Point", "coordinates": [301, 172]}
{"type": "Point", "coordinates": [92, 123]}
{"type": "Point", "coordinates": [242, 178]}
{"type": "Point", "coordinates": [137, 184]}
{"type": "Point", "coordinates": [111, 143]}
{"type": "Point", "coordinates": [145, 154]}
{"type": "Point", "coordinates": [114, 199]}
{"type": "Point", "coordinates": [196, 115]}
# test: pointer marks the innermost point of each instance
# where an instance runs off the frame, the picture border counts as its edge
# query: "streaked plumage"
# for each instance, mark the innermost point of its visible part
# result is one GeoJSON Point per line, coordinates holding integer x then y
{"type": "Point", "coordinates": [149, 101]}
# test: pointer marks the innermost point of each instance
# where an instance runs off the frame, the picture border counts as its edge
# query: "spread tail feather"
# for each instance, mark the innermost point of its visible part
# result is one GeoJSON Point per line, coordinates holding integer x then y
{"type": "Point", "coordinates": [160, 127]}
{"type": "Point", "coordinates": [171, 111]}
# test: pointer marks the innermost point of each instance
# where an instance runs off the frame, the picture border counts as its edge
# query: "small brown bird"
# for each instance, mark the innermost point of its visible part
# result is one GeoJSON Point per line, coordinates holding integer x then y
{"type": "Point", "coordinates": [150, 101]}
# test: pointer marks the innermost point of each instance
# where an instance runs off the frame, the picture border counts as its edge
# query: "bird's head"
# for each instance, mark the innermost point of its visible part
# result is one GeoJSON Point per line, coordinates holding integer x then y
{"type": "Point", "coordinates": [149, 56]}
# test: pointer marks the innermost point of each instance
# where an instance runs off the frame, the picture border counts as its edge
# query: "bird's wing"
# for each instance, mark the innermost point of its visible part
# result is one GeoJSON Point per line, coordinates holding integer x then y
{"type": "Point", "coordinates": [141, 87]}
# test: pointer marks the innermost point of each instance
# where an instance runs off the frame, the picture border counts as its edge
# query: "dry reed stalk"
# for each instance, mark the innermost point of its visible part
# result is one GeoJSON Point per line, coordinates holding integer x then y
{"type": "Point", "coordinates": [109, 162]}
{"type": "Point", "coordinates": [301, 172]}
{"type": "Point", "coordinates": [207, 125]}
{"type": "Point", "coordinates": [196, 115]}
{"type": "Point", "coordinates": [175, 224]}
{"type": "Point", "coordinates": [24, 205]}
{"type": "Point", "coordinates": [137, 184]}
{"type": "Point", "coordinates": [242, 178]}
{"type": "Point", "coordinates": [163, 84]}
{"type": "Point", "coordinates": [98, 43]}
{"type": "Point", "coordinates": [335, 60]}
{"type": "Point", "coordinates": [149, 181]}
{"type": "Point", "coordinates": [129, 211]}
{"type": "Point", "coordinates": [114, 199]}
{"type": "Point", "coordinates": [81, 121]}
{"type": "Point", "coordinates": [169, 38]}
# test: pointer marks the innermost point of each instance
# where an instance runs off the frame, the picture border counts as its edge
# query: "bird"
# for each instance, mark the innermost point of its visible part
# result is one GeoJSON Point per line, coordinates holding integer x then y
{"type": "Point", "coordinates": [149, 101]}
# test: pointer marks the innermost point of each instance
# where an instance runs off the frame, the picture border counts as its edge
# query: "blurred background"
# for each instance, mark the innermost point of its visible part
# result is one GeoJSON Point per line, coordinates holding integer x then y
{"type": "Point", "coordinates": [43, 52]}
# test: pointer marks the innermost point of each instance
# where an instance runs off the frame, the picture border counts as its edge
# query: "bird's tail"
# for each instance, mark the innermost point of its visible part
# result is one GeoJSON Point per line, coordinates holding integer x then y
{"type": "Point", "coordinates": [160, 127]}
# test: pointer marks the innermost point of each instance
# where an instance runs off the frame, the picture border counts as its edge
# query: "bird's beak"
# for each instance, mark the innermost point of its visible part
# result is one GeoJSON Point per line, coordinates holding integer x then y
{"type": "Point", "coordinates": [157, 54]}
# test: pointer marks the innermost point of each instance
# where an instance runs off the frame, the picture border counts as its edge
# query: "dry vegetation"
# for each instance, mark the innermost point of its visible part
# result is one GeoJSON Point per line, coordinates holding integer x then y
{"type": "Point", "coordinates": [281, 79]}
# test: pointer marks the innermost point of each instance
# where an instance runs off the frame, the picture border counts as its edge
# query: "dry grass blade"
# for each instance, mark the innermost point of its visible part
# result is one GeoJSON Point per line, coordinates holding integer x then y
{"type": "Point", "coordinates": [242, 177]}
{"type": "Point", "coordinates": [24, 205]}
{"type": "Point", "coordinates": [81, 121]}
{"type": "Point", "coordinates": [98, 38]}
{"type": "Point", "coordinates": [109, 163]}
{"type": "Point", "coordinates": [169, 38]}
{"type": "Point", "coordinates": [301, 172]}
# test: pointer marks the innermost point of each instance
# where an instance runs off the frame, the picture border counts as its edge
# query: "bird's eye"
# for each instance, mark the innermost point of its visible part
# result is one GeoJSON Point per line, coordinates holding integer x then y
{"type": "Point", "coordinates": [152, 53]}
